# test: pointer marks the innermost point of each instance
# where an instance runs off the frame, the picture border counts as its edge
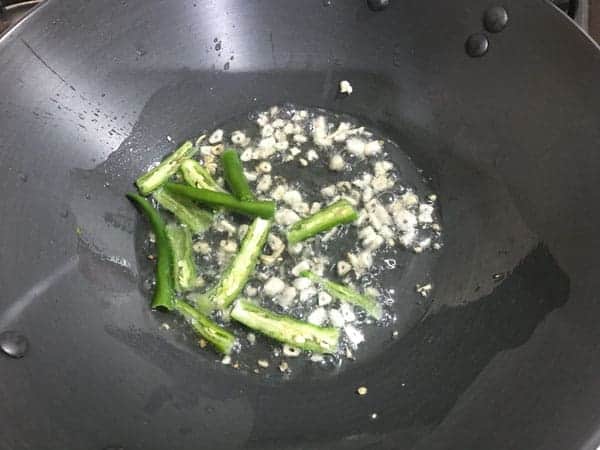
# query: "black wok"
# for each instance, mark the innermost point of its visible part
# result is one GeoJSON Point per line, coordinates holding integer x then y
{"type": "Point", "coordinates": [506, 356]}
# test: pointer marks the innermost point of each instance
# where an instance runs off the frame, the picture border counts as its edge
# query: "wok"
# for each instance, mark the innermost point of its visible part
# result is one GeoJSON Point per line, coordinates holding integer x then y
{"type": "Point", "coordinates": [505, 356]}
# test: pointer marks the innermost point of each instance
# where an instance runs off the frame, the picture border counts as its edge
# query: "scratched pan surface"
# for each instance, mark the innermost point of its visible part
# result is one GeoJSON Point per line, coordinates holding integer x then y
{"type": "Point", "coordinates": [89, 91]}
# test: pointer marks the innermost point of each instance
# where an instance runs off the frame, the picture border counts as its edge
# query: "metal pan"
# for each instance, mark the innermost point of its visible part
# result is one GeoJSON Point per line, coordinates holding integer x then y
{"type": "Point", "coordinates": [506, 356]}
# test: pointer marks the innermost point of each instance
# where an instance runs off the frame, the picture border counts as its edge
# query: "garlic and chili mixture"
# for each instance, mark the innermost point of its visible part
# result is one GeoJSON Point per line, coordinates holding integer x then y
{"type": "Point", "coordinates": [306, 159]}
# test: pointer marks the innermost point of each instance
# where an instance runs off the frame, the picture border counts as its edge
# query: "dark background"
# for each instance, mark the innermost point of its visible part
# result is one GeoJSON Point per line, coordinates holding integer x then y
{"type": "Point", "coordinates": [13, 13]}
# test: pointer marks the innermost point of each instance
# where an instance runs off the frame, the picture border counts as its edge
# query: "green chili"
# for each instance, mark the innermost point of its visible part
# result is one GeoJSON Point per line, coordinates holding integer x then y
{"type": "Point", "coordinates": [264, 209]}
{"type": "Point", "coordinates": [198, 176]}
{"type": "Point", "coordinates": [234, 175]}
{"type": "Point", "coordinates": [163, 292]}
{"type": "Point", "coordinates": [346, 294]}
{"type": "Point", "coordinates": [223, 340]}
{"type": "Point", "coordinates": [286, 329]}
{"type": "Point", "coordinates": [338, 213]}
{"type": "Point", "coordinates": [197, 219]}
{"type": "Point", "coordinates": [183, 268]}
{"type": "Point", "coordinates": [158, 176]}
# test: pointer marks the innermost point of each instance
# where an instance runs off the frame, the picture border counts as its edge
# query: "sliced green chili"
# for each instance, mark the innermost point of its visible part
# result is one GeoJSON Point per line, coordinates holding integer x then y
{"type": "Point", "coordinates": [196, 175]}
{"type": "Point", "coordinates": [197, 219]}
{"type": "Point", "coordinates": [264, 209]}
{"type": "Point", "coordinates": [286, 329]}
{"type": "Point", "coordinates": [338, 213]}
{"type": "Point", "coordinates": [158, 176]}
{"type": "Point", "coordinates": [183, 268]}
{"type": "Point", "coordinates": [346, 294]}
{"type": "Point", "coordinates": [234, 175]}
{"type": "Point", "coordinates": [240, 268]}
{"type": "Point", "coordinates": [219, 337]}
{"type": "Point", "coordinates": [163, 292]}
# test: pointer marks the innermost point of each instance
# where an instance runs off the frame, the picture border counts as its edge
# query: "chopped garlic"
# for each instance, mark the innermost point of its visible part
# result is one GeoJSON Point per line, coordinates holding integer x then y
{"type": "Point", "coordinates": [228, 246]}
{"type": "Point", "coordinates": [345, 87]}
{"type": "Point", "coordinates": [247, 154]}
{"type": "Point", "coordinates": [356, 146]}
{"type": "Point", "coordinates": [279, 192]}
{"type": "Point", "coordinates": [381, 183]}
{"type": "Point", "coordinates": [303, 162]}
{"type": "Point", "coordinates": [329, 191]}
{"type": "Point", "coordinates": [354, 335]}
{"type": "Point", "coordinates": [295, 151]}
{"type": "Point", "coordinates": [373, 242]}
{"type": "Point", "coordinates": [292, 197]}
{"type": "Point", "coordinates": [282, 145]}
{"type": "Point", "coordinates": [250, 176]}
{"type": "Point", "coordinates": [386, 232]}
{"type": "Point", "coordinates": [343, 267]}
{"type": "Point", "coordinates": [267, 143]}
{"type": "Point", "coordinates": [312, 155]}
{"type": "Point", "coordinates": [404, 220]}
{"type": "Point", "coordinates": [307, 294]}
{"type": "Point", "coordinates": [347, 312]}
{"type": "Point", "coordinates": [262, 120]}
{"type": "Point", "coordinates": [273, 287]}
{"type": "Point", "coordinates": [341, 134]}
{"type": "Point", "coordinates": [267, 131]}
{"type": "Point", "coordinates": [336, 163]}
{"type": "Point", "coordinates": [264, 167]}
{"type": "Point", "coordinates": [290, 351]}
{"type": "Point", "coordinates": [315, 207]}
{"type": "Point", "coordinates": [287, 296]}
{"type": "Point", "coordinates": [424, 290]}
{"type": "Point", "coordinates": [300, 138]}
{"type": "Point", "coordinates": [286, 217]}
{"type": "Point", "coordinates": [324, 298]}
{"type": "Point", "coordinates": [250, 290]}
{"type": "Point", "coordinates": [263, 363]}
{"type": "Point", "coordinates": [264, 183]}
{"type": "Point", "coordinates": [225, 226]}
{"type": "Point", "coordinates": [425, 213]}
{"type": "Point", "coordinates": [295, 249]}
{"type": "Point", "coordinates": [302, 283]}
{"type": "Point", "coordinates": [288, 128]}
{"type": "Point", "coordinates": [382, 167]}
{"type": "Point", "coordinates": [360, 262]}
{"type": "Point", "coordinates": [336, 318]}
{"type": "Point", "coordinates": [373, 148]}
{"type": "Point", "coordinates": [202, 247]}
{"type": "Point", "coordinates": [239, 138]}
{"type": "Point", "coordinates": [278, 123]}
{"type": "Point", "coordinates": [320, 132]}
{"type": "Point", "coordinates": [300, 267]}
{"type": "Point", "coordinates": [425, 243]}
{"type": "Point", "coordinates": [317, 317]}
{"type": "Point", "coordinates": [302, 208]}
{"type": "Point", "coordinates": [216, 137]}
{"type": "Point", "coordinates": [409, 199]}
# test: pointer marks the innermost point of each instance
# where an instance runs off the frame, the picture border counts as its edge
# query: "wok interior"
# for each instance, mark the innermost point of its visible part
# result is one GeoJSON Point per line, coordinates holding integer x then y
{"type": "Point", "coordinates": [494, 281]}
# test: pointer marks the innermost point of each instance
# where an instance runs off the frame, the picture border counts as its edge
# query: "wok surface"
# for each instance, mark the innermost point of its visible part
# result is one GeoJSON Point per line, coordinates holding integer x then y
{"type": "Point", "coordinates": [89, 92]}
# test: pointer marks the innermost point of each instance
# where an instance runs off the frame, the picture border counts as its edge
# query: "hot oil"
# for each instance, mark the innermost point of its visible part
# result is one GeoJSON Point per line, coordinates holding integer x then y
{"type": "Point", "coordinates": [394, 273]}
